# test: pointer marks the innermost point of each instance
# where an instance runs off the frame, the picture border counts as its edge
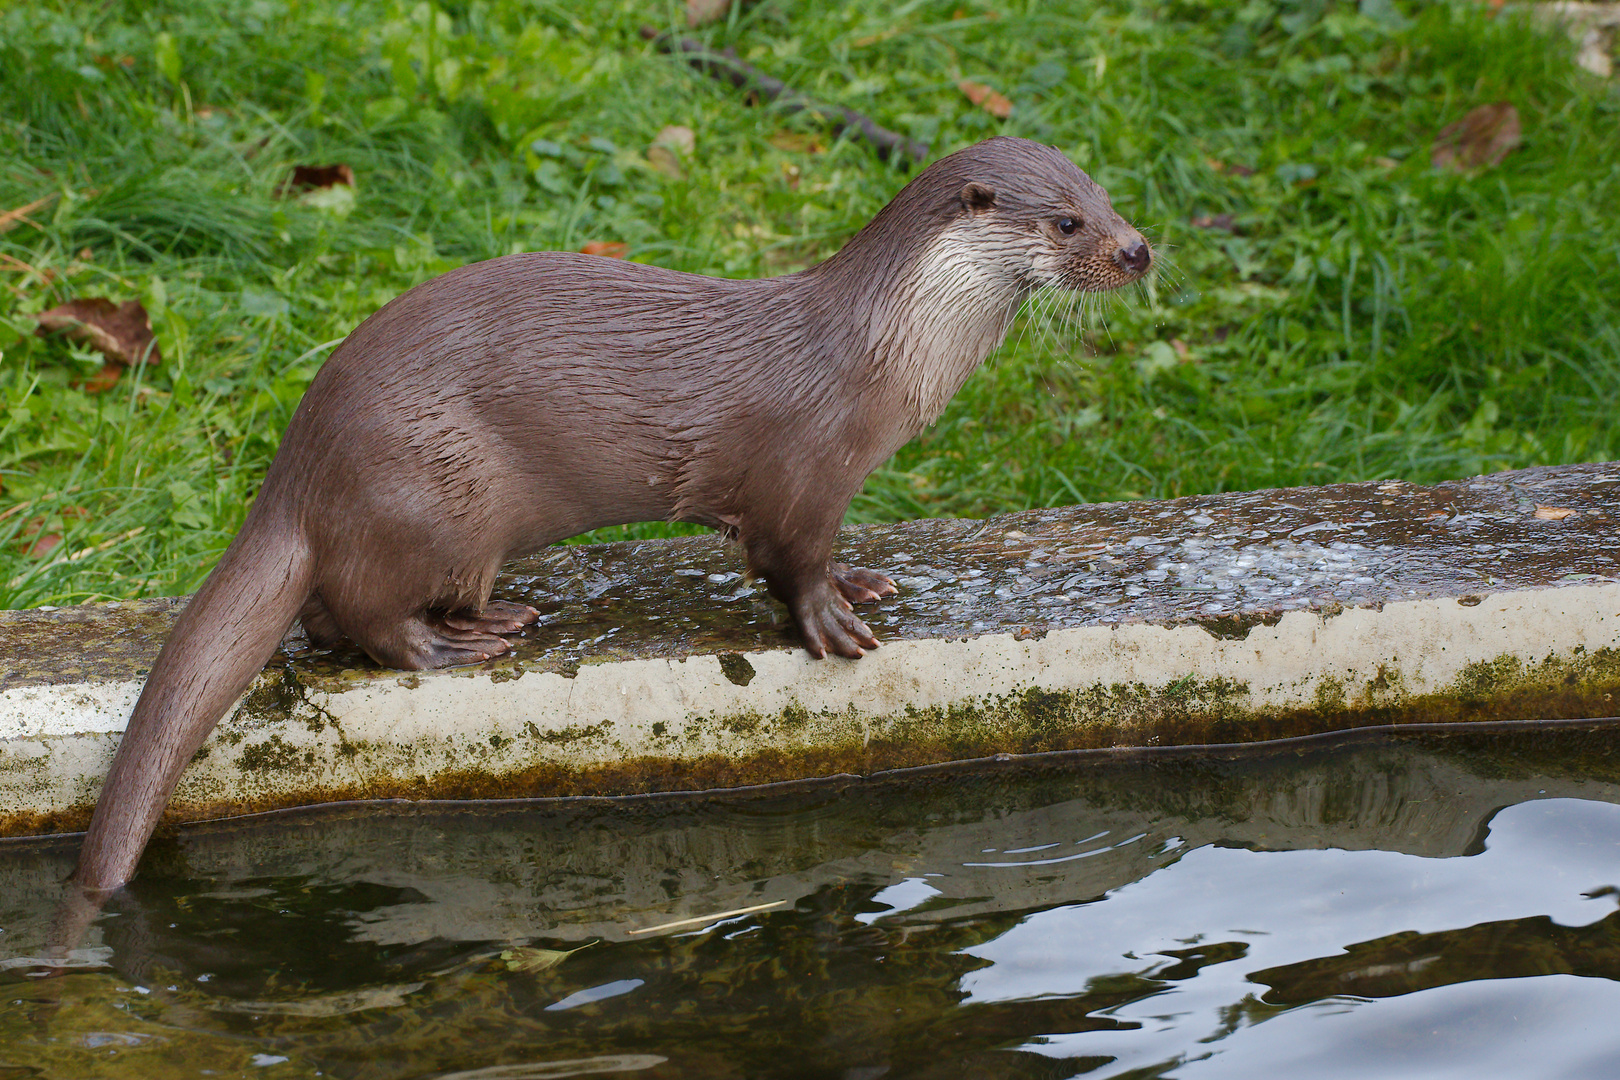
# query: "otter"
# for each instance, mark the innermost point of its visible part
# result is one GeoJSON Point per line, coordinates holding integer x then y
{"type": "Point", "coordinates": [516, 402]}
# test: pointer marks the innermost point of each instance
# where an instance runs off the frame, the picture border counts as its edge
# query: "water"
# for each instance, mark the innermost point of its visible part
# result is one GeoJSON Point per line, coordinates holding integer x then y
{"type": "Point", "coordinates": [1434, 906]}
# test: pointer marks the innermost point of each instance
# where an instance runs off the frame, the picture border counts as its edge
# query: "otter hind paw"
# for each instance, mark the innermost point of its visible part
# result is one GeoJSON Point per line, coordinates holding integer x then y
{"type": "Point", "coordinates": [498, 617]}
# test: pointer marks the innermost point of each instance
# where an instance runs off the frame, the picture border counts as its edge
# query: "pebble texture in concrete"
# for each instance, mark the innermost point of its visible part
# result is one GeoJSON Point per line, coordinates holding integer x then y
{"type": "Point", "coordinates": [658, 666]}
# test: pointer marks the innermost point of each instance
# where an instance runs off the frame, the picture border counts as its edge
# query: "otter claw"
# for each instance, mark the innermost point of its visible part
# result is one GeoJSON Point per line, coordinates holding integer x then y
{"type": "Point", "coordinates": [831, 626]}
{"type": "Point", "coordinates": [498, 617]}
{"type": "Point", "coordinates": [860, 585]}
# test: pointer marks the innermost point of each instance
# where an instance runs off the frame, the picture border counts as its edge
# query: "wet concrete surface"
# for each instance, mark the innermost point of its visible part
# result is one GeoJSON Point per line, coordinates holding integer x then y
{"type": "Point", "coordinates": [660, 667]}
{"type": "Point", "coordinates": [1225, 562]}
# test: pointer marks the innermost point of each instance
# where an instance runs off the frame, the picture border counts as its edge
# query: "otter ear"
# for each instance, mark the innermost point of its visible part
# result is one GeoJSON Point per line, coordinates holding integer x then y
{"type": "Point", "coordinates": [977, 198]}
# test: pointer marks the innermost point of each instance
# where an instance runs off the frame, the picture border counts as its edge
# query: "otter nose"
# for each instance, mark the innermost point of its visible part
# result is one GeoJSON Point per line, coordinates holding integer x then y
{"type": "Point", "coordinates": [1134, 257]}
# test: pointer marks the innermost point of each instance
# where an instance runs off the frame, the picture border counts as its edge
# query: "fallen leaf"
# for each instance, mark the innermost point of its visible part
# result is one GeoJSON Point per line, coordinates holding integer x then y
{"type": "Point", "coordinates": [987, 99]}
{"type": "Point", "coordinates": [103, 380]}
{"type": "Point", "coordinates": [1553, 513]}
{"type": "Point", "coordinates": [315, 178]}
{"type": "Point", "coordinates": [1482, 138]}
{"type": "Point", "coordinates": [1180, 347]}
{"type": "Point", "coordinates": [36, 542]}
{"type": "Point", "coordinates": [45, 545]}
{"type": "Point", "coordinates": [703, 12]}
{"type": "Point", "coordinates": [612, 249]}
{"type": "Point", "coordinates": [120, 332]}
{"type": "Point", "coordinates": [1386, 163]}
{"type": "Point", "coordinates": [531, 960]}
{"type": "Point", "coordinates": [797, 142]}
{"type": "Point", "coordinates": [663, 160]}
{"type": "Point", "coordinates": [1215, 221]}
{"type": "Point", "coordinates": [678, 137]}
{"type": "Point", "coordinates": [669, 147]}
{"type": "Point", "coordinates": [1593, 54]}
{"type": "Point", "coordinates": [873, 39]}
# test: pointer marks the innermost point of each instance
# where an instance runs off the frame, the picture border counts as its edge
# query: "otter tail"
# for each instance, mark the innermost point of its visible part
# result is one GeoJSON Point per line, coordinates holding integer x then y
{"type": "Point", "coordinates": [221, 641]}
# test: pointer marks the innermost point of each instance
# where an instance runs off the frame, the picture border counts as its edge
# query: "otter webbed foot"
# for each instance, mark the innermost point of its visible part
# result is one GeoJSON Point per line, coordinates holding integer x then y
{"type": "Point", "coordinates": [498, 617]}
{"type": "Point", "coordinates": [828, 623]}
{"type": "Point", "coordinates": [860, 585]}
{"type": "Point", "coordinates": [435, 639]}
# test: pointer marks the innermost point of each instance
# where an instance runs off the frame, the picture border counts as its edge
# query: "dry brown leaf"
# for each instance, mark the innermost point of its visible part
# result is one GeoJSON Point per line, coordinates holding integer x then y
{"type": "Point", "coordinates": [1482, 138]}
{"type": "Point", "coordinates": [1553, 513]}
{"type": "Point", "coordinates": [612, 249]}
{"type": "Point", "coordinates": [987, 99]}
{"type": "Point", "coordinates": [703, 12]}
{"type": "Point", "coordinates": [678, 137]}
{"type": "Point", "coordinates": [873, 39]}
{"type": "Point", "coordinates": [797, 142]}
{"type": "Point", "coordinates": [315, 178]}
{"type": "Point", "coordinates": [120, 332]}
{"type": "Point", "coordinates": [1225, 222]}
{"type": "Point", "coordinates": [103, 380]}
{"type": "Point", "coordinates": [35, 541]}
{"type": "Point", "coordinates": [669, 147]}
{"type": "Point", "coordinates": [533, 961]}
{"type": "Point", "coordinates": [663, 160]}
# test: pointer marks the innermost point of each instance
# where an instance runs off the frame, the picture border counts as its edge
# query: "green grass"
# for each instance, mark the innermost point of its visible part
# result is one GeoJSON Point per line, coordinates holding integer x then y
{"type": "Point", "coordinates": [1371, 318]}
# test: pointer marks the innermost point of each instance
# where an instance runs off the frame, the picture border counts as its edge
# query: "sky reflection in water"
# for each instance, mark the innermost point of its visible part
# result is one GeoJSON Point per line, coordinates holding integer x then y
{"type": "Point", "coordinates": [1279, 908]}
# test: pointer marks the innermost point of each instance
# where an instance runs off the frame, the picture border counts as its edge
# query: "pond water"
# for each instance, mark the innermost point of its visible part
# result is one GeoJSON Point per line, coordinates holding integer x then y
{"type": "Point", "coordinates": [1413, 906]}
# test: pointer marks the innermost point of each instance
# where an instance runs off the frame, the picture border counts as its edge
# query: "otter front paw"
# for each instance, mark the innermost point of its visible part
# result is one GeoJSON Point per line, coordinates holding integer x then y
{"type": "Point", "coordinates": [860, 585]}
{"type": "Point", "coordinates": [829, 625]}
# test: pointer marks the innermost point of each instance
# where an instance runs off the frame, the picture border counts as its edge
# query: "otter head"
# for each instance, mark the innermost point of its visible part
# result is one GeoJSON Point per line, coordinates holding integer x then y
{"type": "Point", "coordinates": [1051, 223]}
{"type": "Point", "coordinates": [938, 275]}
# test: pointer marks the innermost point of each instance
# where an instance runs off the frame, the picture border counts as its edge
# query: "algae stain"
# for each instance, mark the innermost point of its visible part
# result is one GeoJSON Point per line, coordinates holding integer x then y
{"type": "Point", "coordinates": [274, 754]}
{"type": "Point", "coordinates": [1237, 627]}
{"type": "Point", "coordinates": [736, 668]}
{"type": "Point", "coordinates": [1485, 679]}
{"type": "Point", "coordinates": [571, 733]}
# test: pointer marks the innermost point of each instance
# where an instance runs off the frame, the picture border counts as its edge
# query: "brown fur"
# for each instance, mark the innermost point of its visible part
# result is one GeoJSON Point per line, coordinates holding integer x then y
{"type": "Point", "coordinates": [515, 402]}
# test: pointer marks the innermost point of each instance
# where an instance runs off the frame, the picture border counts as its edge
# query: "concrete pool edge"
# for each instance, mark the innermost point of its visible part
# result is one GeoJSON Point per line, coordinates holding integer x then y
{"type": "Point", "coordinates": [613, 725]}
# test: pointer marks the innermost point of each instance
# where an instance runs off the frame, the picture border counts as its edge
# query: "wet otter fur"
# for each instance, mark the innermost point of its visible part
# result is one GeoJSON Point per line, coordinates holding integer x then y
{"type": "Point", "coordinates": [515, 402]}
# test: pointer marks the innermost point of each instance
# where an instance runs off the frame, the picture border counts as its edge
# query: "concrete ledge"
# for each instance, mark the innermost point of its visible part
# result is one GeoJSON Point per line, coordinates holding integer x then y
{"type": "Point", "coordinates": [658, 667]}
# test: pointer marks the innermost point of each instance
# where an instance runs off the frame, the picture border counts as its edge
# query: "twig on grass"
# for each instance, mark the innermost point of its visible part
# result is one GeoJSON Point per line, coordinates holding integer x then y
{"type": "Point", "coordinates": [77, 555]}
{"type": "Point", "coordinates": [10, 218]}
{"type": "Point", "coordinates": [727, 66]}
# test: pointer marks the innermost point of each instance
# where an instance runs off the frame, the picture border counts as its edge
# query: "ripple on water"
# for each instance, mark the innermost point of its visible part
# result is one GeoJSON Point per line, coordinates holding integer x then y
{"type": "Point", "coordinates": [1422, 906]}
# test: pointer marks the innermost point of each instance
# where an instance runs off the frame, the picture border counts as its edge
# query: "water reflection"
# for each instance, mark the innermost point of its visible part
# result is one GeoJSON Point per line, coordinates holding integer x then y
{"type": "Point", "coordinates": [1226, 938]}
{"type": "Point", "coordinates": [1430, 907]}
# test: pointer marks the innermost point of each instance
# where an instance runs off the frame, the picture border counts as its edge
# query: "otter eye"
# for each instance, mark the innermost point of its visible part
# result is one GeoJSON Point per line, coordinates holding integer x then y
{"type": "Point", "coordinates": [1067, 225]}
